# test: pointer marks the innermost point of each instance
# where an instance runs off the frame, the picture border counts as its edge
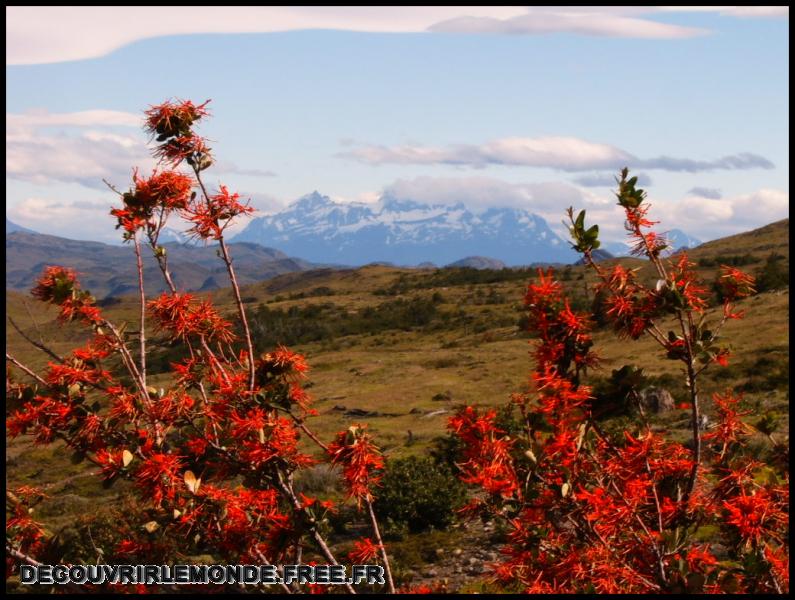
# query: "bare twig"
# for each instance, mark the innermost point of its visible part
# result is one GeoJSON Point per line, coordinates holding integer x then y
{"type": "Point", "coordinates": [39, 345]}
{"type": "Point", "coordinates": [142, 333]}
{"type": "Point", "coordinates": [377, 533]}
{"type": "Point", "coordinates": [26, 369]}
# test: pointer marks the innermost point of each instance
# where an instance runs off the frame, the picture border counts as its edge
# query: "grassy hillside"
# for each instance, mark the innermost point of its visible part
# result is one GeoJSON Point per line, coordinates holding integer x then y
{"type": "Point", "coordinates": [399, 349]}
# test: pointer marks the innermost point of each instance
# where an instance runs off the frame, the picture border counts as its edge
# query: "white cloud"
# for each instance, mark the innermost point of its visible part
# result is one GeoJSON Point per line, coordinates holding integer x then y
{"type": "Point", "coordinates": [587, 21]}
{"type": "Point", "coordinates": [61, 33]}
{"type": "Point", "coordinates": [37, 35]}
{"type": "Point", "coordinates": [733, 11]}
{"type": "Point", "coordinates": [563, 153]}
{"type": "Point", "coordinates": [85, 118]}
{"type": "Point", "coordinates": [84, 147]}
{"type": "Point", "coordinates": [710, 218]}
{"type": "Point", "coordinates": [480, 193]}
{"type": "Point", "coordinates": [704, 218]}
{"type": "Point", "coordinates": [86, 157]}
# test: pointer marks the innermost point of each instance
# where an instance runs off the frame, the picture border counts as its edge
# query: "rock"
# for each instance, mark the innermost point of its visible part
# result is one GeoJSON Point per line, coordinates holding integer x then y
{"type": "Point", "coordinates": [360, 412]}
{"type": "Point", "coordinates": [439, 552]}
{"type": "Point", "coordinates": [703, 422]}
{"type": "Point", "coordinates": [492, 556]}
{"type": "Point", "coordinates": [415, 411]}
{"type": "Point", "coordinates": [434, 413]}
{"type": "Point", "coordinates": [473, 561]}
{"type": "Point", "coordinates": [457, 552]}
{"type": "Point", "coordinates": [431, 573]}
{"type": "Point", "coordinates": [656, 399]}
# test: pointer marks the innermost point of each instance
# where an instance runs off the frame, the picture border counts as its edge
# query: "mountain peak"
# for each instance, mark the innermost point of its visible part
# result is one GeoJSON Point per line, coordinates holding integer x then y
{"type": "Point", "coordinates": [312, 201]}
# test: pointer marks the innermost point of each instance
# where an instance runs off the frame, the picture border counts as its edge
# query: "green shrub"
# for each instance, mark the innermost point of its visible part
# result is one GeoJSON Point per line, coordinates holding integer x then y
{"type": "Point", "coordinates": [418, 494]}
{"type": "Point", "coordinates": [773, 275]}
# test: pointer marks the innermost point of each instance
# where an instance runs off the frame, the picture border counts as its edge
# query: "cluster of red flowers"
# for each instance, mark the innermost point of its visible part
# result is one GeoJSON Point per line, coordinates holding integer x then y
{"type": "Point", "coordinates": [171, 123]}
{"type": "Point", "coordinates": [487, 452]}
{"type": "Point", "coordinates": [212, 216]}
{"type": "Point", "coordinates": [165, 190]}
{"type": "Point", "coordinates": [181, 316]}
{"type": "Point", "coordinates": [360, 459]}
{"type": "Point", "coordinates": [589, 511]}
{"type": "Point", "coordinates": [22, 531]}
{"type": "Point", "coordinates": [59, 286]}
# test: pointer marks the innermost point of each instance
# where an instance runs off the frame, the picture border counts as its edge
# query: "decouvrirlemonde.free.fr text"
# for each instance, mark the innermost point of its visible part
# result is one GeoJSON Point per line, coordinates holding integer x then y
{"type": "Point", "coordinates": [198, 574]}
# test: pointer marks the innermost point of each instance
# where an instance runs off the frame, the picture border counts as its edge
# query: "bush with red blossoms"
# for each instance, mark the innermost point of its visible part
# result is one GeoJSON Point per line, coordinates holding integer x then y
{"type": "Point", "coordinates": [589, 511]}
{"type": "Point", "coordinates": [212, 455]}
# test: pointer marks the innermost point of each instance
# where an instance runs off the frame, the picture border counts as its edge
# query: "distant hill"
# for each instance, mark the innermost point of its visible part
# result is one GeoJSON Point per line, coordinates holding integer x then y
{"type": "Point", "coordinates": [12, 227]}
{"type": "Point", "coordinates": [478, 262]}
{"type": "Point", "coordinates": [598, 255]}
{"type": "Point", "coordinates": [110, 270]}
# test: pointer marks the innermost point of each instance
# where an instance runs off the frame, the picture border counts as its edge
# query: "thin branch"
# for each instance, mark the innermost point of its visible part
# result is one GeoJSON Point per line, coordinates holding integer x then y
{"type": "Point", "coordinates": [111, 186]}
{"type": "Point", "coordinates": [142, 333]}
{"type": "Point", "coordinates": [298, 507]}
{"type": "Point", "coordinates": [380, 542]}
{"type": "Point", "coordinates": [235, 289]}
{"type": "Point", "coordinates": [38, 345]}
{"type": "Point", "coordinates": [26, 369]}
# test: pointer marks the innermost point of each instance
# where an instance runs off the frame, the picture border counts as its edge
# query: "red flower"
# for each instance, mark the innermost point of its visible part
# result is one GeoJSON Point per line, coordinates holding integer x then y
{"type": "Point", "coordinates": [722, 357]}
{"type": "Point", "coordinates": [158, 477]}
{"type": "Point", "coordinates": [730, 429]}
{"type": "Point", "coordinates": [735, 283]}
{"type": "Point", "coordinates": [173, 118]}
{"type": "Point", "coordinates": [191, 148]}
{"type": "Point", "coordinates": [180, 316]}
{"type": "Point", "coordinates": [364, 552]}
{"type": "Point", "coordinates": [360, 460]}
{"type": "Point", "coordinates": [167, 189]}
{"type": "Point", "coordinates": [750, 514]}
{"type": "Point", "coordinates": [212, 215]}
{"type": "Point", "coordinates": [56, 285]}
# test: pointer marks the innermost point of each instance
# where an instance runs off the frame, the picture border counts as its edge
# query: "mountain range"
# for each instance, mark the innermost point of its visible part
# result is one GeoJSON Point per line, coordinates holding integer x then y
{"type": "Point", "coordinates": [406, 232]}
{"type": "Point", "coordinates": [322, 233]}
{"type": "Point", "coordinates": [108, 270]}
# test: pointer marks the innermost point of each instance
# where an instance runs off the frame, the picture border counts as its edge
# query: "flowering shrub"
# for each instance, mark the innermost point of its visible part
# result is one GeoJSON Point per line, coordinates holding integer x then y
{"type": "Point", "coordinates": [591, 512]}
{"type": "Point", "coordinates": [212, 455]}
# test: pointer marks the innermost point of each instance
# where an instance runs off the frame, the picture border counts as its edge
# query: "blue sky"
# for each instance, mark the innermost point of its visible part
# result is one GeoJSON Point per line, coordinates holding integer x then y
{"type": "Point", "coordinates": [525, 107]}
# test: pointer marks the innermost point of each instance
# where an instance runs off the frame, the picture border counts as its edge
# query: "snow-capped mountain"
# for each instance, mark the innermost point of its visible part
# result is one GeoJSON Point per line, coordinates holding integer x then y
{"type": "Point", "coordinates": [678, 239]}
{"type": "Point", "coordinates": [405, 232]}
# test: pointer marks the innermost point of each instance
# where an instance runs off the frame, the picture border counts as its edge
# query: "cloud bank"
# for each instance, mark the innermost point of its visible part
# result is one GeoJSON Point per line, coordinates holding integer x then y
{"type": "Point", "coordinates": [84, 147]}
{"type": "Point", "coordinates": [705, 218]}
{"type": "Point", "coordinates": [561, 153]}
{"type": "Point", "coordinates": [36, 35]}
